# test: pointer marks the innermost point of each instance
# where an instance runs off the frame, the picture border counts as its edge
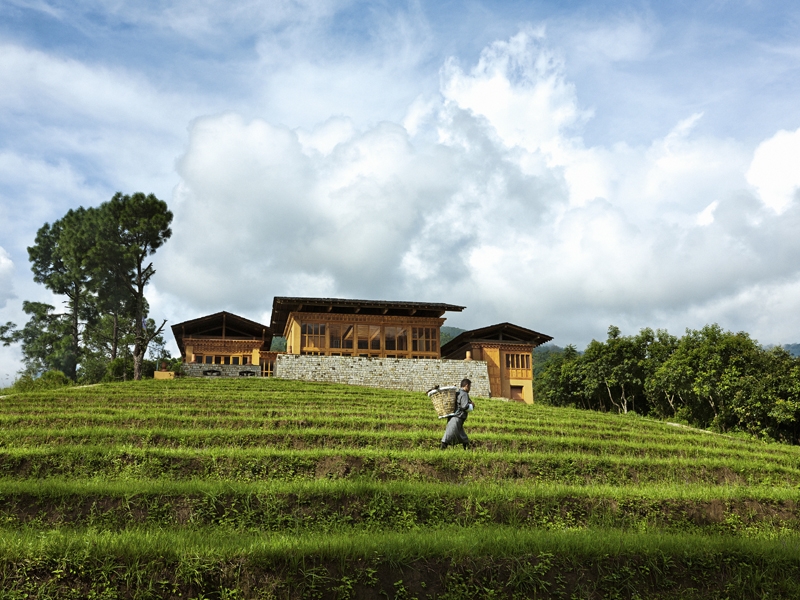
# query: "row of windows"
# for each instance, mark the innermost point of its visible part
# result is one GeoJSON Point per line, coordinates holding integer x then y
{"type": "Point", "coordinates": [389, 338]}
{"type": "Point", "coordinates": [361, 355]}
{"type": "Point", "coordinates": [518, 361]}
{"type": "Point", "coordinates": [211, 359]}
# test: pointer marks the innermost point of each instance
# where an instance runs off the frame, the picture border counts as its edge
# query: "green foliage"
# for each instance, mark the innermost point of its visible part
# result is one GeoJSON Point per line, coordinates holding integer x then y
{"type": "Point", "coordinates": [46, 340]}
{"type": "Point", "coordinates": [46, 381]}
{"type": "Point", "coordinates": [707, 378]}
{"type": "Point", "coordinates": [96, 258]}
{"type": "Point", "coordinates": [59, 261]}
{"type": "Point", "coordinates": [132, 228]}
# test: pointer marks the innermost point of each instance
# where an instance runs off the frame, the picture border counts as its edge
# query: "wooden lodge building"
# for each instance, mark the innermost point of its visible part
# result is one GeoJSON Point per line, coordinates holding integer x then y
{"type": "Point", "coordinates": [365, 328]}
{"type": "Point", "coordinates": [223, 339]}
{"type": "Point", "coordinates": [506, 349]}
{"type": "Point", "coordinates": [361, 328]}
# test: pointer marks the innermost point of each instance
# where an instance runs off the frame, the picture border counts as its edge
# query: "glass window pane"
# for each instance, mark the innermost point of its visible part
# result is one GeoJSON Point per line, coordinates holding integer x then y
{"type": "Point", "coordinates": [335, 336]}
{"type": "Point", "coordinates": [390, 338]}
{"type": "Point", "coordinates": [402, 338]}
{"type": "Point", "coordinates": [347, 337]}
{"type": "Point", "coordinates": [363, 337]}
{"type": "Point", "coordinates": [374, 337]}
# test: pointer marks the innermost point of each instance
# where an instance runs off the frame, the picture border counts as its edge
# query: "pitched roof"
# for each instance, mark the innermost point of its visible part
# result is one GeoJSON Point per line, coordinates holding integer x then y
{"type": "Point", "coordinates": [235, 327]}
{"type": "Point", "coordinates": [282, 306]}
{"type": "Point", "coordinates": [507, 333]}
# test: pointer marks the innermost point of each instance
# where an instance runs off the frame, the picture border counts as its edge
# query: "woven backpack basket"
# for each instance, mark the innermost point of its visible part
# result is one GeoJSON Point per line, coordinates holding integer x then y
{"type": "Point", "coordinates": [444, 400]}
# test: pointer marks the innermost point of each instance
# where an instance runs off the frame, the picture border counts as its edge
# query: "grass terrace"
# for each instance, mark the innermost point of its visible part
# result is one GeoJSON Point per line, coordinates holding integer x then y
{"type": "Point", "coordinates": [263, 488]}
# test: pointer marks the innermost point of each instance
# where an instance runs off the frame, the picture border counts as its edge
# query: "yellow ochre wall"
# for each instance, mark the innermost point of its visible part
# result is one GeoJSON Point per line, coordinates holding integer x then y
{"type": "Point", "coordinates": [500, 380]}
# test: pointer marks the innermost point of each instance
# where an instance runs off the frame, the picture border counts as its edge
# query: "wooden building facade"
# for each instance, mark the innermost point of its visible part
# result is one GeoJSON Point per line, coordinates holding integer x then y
{"type": "Point", "coordinates": [507, 349]}
{"type": "Point", "coordinates": [225, 339]}
{"type": "Point", "coordinates": [362, 328]}
{"type": "Point", "coordinates": [365, 328]}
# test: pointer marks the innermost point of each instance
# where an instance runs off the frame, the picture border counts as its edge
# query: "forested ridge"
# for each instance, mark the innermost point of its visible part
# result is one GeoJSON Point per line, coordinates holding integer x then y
{"type": "Point", "coordinates": [709, 378]}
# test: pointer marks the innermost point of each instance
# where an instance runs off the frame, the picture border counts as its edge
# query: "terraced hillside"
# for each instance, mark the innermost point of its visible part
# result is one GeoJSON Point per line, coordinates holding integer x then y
{"type": "Point", "coordinates": [275, 489]}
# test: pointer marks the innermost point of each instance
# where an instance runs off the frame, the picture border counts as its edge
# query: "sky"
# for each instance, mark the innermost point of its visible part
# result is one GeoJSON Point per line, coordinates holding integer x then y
{"type": "Point", "coordinates": [562, 165]}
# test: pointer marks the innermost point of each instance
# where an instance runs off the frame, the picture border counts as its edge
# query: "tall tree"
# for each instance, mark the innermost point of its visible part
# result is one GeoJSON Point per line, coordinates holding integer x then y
{"type": "Point", "coordinates": [133, 228]}
{"type": "Point", "coordinates": [46, 340]}
{"type": "Point", "coordinates": [59, 261]}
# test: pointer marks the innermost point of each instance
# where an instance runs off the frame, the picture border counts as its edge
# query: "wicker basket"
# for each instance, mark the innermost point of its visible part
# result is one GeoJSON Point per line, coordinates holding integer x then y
{"type": "Point", "coordinates": [444, 400]}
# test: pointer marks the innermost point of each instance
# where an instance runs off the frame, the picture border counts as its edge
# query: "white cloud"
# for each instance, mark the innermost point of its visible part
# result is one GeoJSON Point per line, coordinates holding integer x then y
{"type": "Point", "coordinates": [775, 170]}
{"type": "Point", "coordinates": [519, 87]}
{"type": "Point", "coordinates": [505, 209]}
{"type": "Point", "coordinates": [706, 216]}
{"type": "Point", "coordinates": [620, 40]}
{"type": "Point", "coordinates": [34, 81]}
{"type": "Point", "coordinates": [6, 278]}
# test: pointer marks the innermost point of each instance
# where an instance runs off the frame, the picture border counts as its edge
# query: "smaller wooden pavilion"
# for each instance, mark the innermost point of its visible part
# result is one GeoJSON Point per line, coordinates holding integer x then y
{"type": "Point", "coordinates": [506, 348]}
{"type": "Point", "coordinates": [224, 339]}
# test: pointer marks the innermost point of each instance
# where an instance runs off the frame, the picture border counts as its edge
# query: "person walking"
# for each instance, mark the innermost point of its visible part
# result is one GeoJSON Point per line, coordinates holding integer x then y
{"type": "Point", "coordinates": [454, 432]}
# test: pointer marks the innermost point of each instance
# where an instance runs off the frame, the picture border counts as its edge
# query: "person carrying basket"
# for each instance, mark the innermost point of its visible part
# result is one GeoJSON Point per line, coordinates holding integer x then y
{"type": "Point", "coordinates": [454, 432]}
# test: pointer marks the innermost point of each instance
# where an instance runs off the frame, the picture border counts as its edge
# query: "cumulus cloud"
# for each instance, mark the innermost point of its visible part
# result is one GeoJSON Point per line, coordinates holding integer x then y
{"type": "Point", "coordinates": [6, 274]}
{"type": "Point", "coordinates": [775, 170]}
{"type": "Point", "coordinates": [488, 197]}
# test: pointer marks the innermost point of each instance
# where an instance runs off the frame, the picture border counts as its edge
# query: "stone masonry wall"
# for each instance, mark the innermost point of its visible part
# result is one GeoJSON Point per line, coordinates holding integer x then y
{"type": "Point", "coordinates": [412, 374]}
{"type": "Point", "coordinates": [200, 370]}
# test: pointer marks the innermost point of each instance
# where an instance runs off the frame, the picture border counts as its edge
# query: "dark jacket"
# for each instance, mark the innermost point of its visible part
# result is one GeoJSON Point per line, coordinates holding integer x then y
{"type": "Point", "coordinates": [462, 405]}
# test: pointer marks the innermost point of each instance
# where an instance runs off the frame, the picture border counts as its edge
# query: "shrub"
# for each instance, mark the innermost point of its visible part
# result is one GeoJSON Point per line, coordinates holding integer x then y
{"type": "Point", "coordinates": [48, 380]}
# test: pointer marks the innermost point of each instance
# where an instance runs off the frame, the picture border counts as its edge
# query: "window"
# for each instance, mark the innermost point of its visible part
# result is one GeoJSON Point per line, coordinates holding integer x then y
{"type": "Point", "coordinates": [396, 338]}
{"type": "Point", "coordinates": [369, 337]}
{"type": "Point", "coordinates": [374, 337]}
{"type": "Point", "coordinates": [267, 368]}
{"type": "Point", "coordinates": [234, 360]}
{"type": "Point", "coordinates": [341, 336]}
{"type": "Point", "coordinates": [209, 360]}
{"type": "Point", "coordinates": [312, 335]}
{"type": "Point", "coordinates": [198, 358]}
{"type": "Point", "coordinates": [424, 339]}
{"type": "Point", "coordinates": [518, 361]}
{"type": "Point", "coordinates": [516, 393]}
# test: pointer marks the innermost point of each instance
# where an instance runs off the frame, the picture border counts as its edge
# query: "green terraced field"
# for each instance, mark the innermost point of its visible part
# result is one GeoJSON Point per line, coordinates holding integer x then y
{"type": "Point", "coordinates": [275, 489]}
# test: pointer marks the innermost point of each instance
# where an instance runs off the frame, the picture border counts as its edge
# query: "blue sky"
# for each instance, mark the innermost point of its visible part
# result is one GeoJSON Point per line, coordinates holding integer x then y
{"type": "Point", "coordinates": [562, 165]}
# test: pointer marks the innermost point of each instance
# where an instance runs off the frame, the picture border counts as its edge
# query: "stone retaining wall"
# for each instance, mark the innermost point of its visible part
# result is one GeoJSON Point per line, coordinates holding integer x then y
{"type": "Point", "coordinates": [203, 370]}
{"type": "Point", "coordinates": [412, 374]}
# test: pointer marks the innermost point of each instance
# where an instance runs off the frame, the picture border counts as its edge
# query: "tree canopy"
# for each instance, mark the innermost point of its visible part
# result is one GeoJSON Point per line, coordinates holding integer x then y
{"type": "Point", "coordinates": [708, 378]}
{"type": "Point", "coordinates": [98, 259]}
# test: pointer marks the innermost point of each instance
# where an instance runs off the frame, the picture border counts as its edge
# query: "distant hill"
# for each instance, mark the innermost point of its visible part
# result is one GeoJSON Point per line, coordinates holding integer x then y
{"type": "Point", "coordinates": [544, 354]}
{"type": "Point", "coordinates": [448, 333]}
{"type": "Point", "coordinates": [793, 349]}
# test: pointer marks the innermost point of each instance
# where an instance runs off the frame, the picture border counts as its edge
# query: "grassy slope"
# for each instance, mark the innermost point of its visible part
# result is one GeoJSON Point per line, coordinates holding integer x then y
{"type": "Point", "coordinates": [267, 488]}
